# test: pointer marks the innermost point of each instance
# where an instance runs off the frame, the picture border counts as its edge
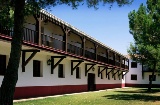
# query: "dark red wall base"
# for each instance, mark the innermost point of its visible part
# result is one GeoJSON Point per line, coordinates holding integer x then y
{"type": "Point", "coordinates": [38, 91]}
{"type": "Point", "coordinates": [108, 86]}
{"type": "Point", "coordinates": [142, 85]}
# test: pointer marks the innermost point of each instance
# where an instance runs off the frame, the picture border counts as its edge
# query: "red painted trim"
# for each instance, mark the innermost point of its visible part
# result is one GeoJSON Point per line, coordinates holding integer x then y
{"type": "Point", "coordinates": [123, 85]}
{"type": "Point", "coordinates": [37, 91]}
{"type": "Point", "coordinates": [2, 36]}
{"type": "Point", "coordinates": [108, 86]}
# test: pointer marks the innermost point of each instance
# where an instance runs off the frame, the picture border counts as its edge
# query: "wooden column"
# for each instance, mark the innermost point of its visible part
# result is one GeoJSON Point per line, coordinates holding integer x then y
{"type": "Point", "coordinates": [38, 37]}
{"type": "Point", "coordinates": [107, 56]}
{"type": "Point", "coordinates": [39, 32]}
{"type": "Point", "coordinates": [65, 38]}
{"type": "Point", "coordinates": [84, 45]}
{"type": "Point", "coordinates": [96, 47]}
{"type": "Point", "coordinates": [128, 64]}
{"type": "Point", "coordinates": [124, 63]}
{"type": "Point", "coordinates": [114, 59]}
{"type": "Point", "coordinates": [120, 61]}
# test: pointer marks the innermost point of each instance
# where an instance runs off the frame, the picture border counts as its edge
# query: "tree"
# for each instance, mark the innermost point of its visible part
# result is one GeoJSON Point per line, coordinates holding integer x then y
{"type": "Point", "coordinates": [20, 8]}
{"type": "Point", "coordinates": [144, 26]}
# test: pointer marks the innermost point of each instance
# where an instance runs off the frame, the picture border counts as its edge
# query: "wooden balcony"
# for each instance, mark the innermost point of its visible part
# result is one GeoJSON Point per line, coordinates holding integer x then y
{"type": "Point", "coordinates": [102, 59]}
{"type": "Point", "coordinates": [49, 41]}
{"type": "Point", "coordinates": [74, 49]}
{"type": "Point", "coordinates": [112, 62]}
{"type": "Point", "coordinates": [123, 66]}
{"type": "Point", "coordinates": [90, 55]}
{"type": "Point", "coordinates": [117, 64]}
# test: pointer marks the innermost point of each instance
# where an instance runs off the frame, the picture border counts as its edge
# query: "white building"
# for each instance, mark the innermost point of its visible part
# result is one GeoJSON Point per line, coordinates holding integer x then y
{"type": "Point", "coordinates": [58, 58]}
{"type": "Point", "coordinates": [139, 76]}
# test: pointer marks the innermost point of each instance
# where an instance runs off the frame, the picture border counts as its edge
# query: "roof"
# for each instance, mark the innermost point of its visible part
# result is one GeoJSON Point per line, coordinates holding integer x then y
{"type": "Point", "coordinates": [76, 29]}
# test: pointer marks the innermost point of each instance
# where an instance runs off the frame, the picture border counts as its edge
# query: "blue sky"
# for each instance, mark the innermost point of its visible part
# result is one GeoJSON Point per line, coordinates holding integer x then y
{"type": "Point", "coordinates": [109, 26]}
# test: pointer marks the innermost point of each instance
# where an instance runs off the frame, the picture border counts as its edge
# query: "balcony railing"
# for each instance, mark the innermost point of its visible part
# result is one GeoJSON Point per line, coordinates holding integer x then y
{"type": "Point", "coordinates": [53, 42]}
{"type": "Point", "coordinates": [6, 31]}
{"type": "Point", "coordinates": [50, 41]}
{"type": "Point", "coordinates": [102, 59]}
{"type": "Point", "coordinates": [112, 62]}
{"type": "Point", "coordinates": [74, 49]}
{"type": "Point", "coordinates": [30, 36]}
{"type": "Point", "coordinates": [90, 55]}
{"type": "Point", "coordinates": [117, 64]}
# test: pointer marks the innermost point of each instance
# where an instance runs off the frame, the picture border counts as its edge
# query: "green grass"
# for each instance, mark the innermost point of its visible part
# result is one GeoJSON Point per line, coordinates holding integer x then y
{"type": "Point", "coordinates": [127, 96]}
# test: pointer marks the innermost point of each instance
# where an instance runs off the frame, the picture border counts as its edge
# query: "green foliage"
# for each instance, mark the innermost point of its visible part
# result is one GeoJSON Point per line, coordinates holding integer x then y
{"type": "Point", "coordinates": [7, 7]}
{"type": "Point", "coordinates": [6, 14]}
{"type": "Point", "coordinates": [144, 25]}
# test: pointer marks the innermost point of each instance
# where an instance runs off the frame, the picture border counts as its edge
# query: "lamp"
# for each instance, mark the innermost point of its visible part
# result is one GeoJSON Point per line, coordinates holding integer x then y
{"type": "Point", "coordinates": [93, 68]}
{"type": "Point", "coordinates": [49, 62]}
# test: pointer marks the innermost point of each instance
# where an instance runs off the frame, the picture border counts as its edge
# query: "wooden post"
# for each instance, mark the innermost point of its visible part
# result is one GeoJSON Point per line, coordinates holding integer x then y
{"type": "Point", "coordinates": [65, 38]}
{"type": "Point", "coordinates": [114, 59]}
{"type": "Point", "coordinates": [84, 46]}
{"type": "Point", "coordinates": [120, 61]}
{"type": "Point", "coordinates": [38, 37]}
{"type": "Point", "coordinates": [128, 64]}
{"type": "Point", "coordinates": [96, 47]}
{"type": "Point", "coordinates": [108, 56]}
{"type": "Point", "coordinates": [39, 32]}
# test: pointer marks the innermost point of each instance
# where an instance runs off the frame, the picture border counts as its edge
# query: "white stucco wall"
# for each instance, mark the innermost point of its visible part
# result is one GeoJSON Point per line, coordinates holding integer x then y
{"type": "Point", "coordinates": [138, 72]}
{"type": "Point", "coordinates": [26, 78]}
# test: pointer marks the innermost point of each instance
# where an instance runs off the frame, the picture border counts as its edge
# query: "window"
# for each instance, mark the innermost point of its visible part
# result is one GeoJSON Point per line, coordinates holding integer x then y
{"type": "Point", "coordinates": [60, 71]}
{"type": "Point", "coordinates": [78, 73]}
{"type": "Point", "coordinates": [2, 64]}
{"type": "Point", "coordinates": [133, 64]}
{"type": "Point", "coordinates": [154, 77]}
{"type": "Point", "coordinates": [36, 68]}
{"type": "Point", "coordinates": [133, 77]}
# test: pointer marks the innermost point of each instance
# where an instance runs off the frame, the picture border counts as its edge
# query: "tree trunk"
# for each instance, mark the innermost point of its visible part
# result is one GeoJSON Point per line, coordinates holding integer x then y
{"type": "Point", "coordinates": [11, 75]}
{"type": "Point", "coordinates": [150, 82]}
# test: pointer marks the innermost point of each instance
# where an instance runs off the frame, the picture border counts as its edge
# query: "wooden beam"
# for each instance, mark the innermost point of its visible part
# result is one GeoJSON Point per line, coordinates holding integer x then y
{"type": "Point", "coordinates": [124, 74]}
{"type": "Point", "coordinates": [24, 61]}
{"type": "Point", "coordinates": [107, 73]}
{"type": "Point", "coordinates": [91, 66]}
{"type": "Point", "coordinates": [53, 66]}
{"type": "Point", "coordinates": [120, 74]}
{"type": "Point", "coordinates": [100, 71]}
{"type": "Point", "coordinates": [73, 68]}
{"type": "Point", "coordinates": [113, 75]}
